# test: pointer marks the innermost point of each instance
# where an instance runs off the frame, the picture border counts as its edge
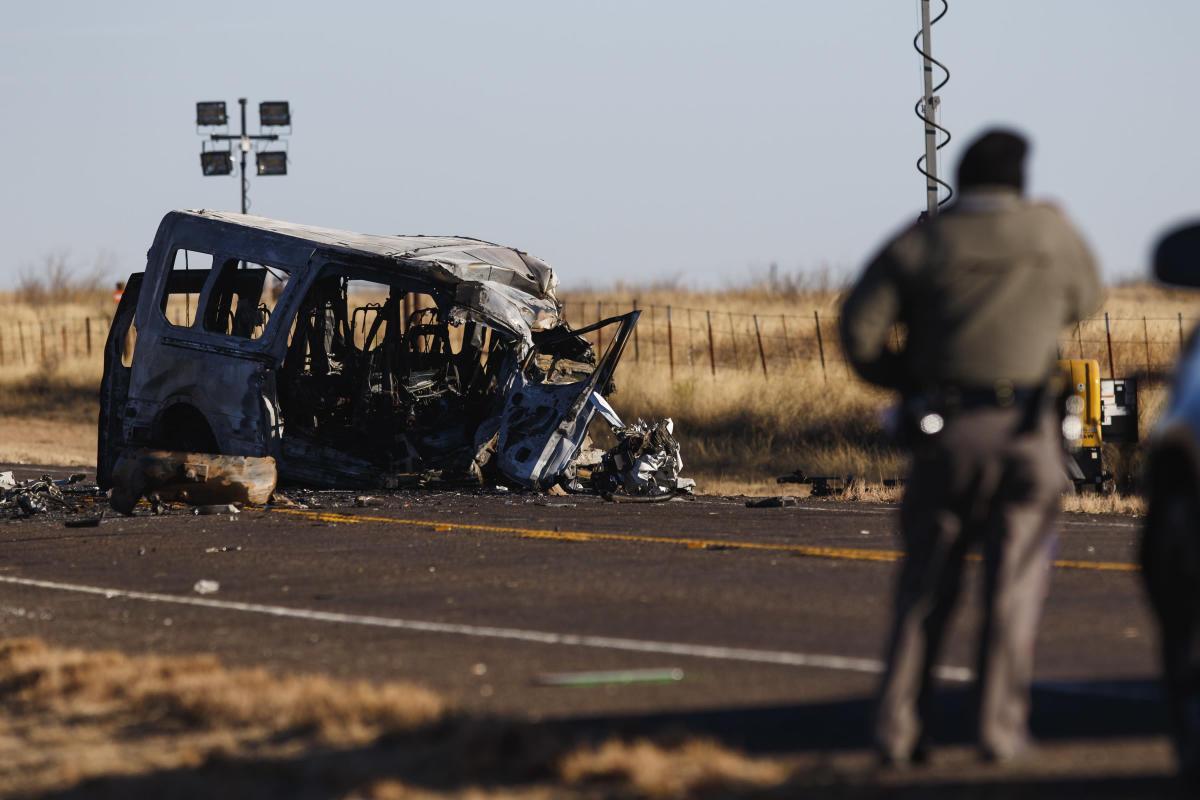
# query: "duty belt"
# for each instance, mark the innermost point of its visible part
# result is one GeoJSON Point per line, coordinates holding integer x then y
{"type": "Point", "coordinates": [1003, 394]}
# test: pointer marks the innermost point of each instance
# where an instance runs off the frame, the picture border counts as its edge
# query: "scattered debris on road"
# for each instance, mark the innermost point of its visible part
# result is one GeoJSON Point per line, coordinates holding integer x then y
{"type": "Point", "coordinates": [830, 485]}
{"type": "Point", "coordinates": [226, 508]}
{"type": "Point", "coordinates": [799, 476]}
{"type": "Point", "coordinates": [40, 495]}
{"type": "Point", "coordinates": [822, 485]}
{"type": "Point", "coordinates": [784, 501]}
{"type": "Point", "coordinates": [205, 586]}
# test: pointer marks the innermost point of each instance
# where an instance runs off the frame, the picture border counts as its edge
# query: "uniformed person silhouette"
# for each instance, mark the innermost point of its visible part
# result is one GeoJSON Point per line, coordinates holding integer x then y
{"type": "Point", "coordinates": [981, 292]}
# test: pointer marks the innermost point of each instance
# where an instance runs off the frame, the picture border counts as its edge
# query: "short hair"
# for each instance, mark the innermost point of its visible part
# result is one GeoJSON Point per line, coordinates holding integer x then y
{"type": "Point", "coordinates": [997, 157]}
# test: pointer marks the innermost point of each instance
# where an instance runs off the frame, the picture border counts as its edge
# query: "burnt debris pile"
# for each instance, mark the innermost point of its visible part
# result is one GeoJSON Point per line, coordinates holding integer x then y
{"type": "Point", "coordinates": [44, 495]}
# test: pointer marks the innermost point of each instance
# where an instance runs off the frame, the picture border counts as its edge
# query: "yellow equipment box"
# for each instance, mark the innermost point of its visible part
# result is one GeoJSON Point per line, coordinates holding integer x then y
{"type": "Point", "coordinates": [1097, 412]}
{"type": "Point", "coordinates": [1081, 379]}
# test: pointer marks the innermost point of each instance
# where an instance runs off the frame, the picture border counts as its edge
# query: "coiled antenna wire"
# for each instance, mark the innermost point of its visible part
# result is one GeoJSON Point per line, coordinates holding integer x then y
{"type": "Point", "coordinates": [926, 110]}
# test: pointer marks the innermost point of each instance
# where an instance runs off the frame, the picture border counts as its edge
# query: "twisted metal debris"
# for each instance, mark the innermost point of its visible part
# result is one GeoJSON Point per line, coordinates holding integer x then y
{"type": "Point", "coordinates": [39, 496]}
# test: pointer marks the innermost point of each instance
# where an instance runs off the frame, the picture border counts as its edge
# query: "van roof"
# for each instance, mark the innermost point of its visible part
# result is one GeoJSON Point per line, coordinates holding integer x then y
{"type": "Point", "coordinates": [464, 257]}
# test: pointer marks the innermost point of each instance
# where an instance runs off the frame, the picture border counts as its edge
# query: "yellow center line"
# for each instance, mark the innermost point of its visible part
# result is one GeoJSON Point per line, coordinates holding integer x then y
{"type": "Point", "coordinates": [842, 553]}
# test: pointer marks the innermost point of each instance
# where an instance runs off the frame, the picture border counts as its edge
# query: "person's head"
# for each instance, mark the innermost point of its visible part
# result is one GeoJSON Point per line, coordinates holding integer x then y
{"type": "Point", "coordinates": [996, 158]}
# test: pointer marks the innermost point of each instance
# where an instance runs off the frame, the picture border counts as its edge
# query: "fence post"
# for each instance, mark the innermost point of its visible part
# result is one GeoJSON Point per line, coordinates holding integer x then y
{"type": "Point", "coordinates": [653, 336]}
{"type": "Point", "coordinates": [1108, 336]}
{"type": "Point", "coordinates": [690, 360]}
{"type": "Point", "coordinates": [762, 354]}
{"type": "Point", "coordinates": [712, 351]}
{"type": "Point", "coordinates": [1180, 315]}
{"type": "Point", "coordinates": [787, 345]}
{"type": "Point", "coordinates": [670, 346]}
{"type": "Point", "coordinates": [599, 331]}
{"type": "Point", "coordinates": [21, 336]}
{"type": "Point", "coordinates": [1079, 337]}
{"type": "Point", "coordinates": [733, 341]}
{"type": "Point", "coordinates": [1, 347]}
{"type": "Point", "coordinates": [820, 345]}
{"type": "Point", "coordinates": [637, 355]}
{"type": "Point", "coordinates": [42, 339]}
{"type": "Point", "coordinates": [87, 328]}
{"type": "Point", "coordinates": [1146, 336]}
{"type": "Point", "coordinates": [63, 327]}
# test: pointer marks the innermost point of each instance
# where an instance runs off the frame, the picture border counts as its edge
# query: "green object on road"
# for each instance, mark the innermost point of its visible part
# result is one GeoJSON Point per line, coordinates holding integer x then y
{"type": "Point", "coordinates": [614, 677]}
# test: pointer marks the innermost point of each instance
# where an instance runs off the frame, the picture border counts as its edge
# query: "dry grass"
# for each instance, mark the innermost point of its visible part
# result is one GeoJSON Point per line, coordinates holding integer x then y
{"type": "Point", "coordinates": [1088, 503]}
{"type": "Point", "coordinates": [58, 391]}
{"type": "Point", "coordinates": [72, 716]}
{"type": "Point", "coordinates": [103, 724]}
{"type": "Point", "coordinates": [686, 770]}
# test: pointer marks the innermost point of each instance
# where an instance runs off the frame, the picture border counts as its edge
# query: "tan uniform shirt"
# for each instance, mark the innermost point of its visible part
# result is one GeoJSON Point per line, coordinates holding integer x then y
{"type": "Point", "coordinates": [984, 290]}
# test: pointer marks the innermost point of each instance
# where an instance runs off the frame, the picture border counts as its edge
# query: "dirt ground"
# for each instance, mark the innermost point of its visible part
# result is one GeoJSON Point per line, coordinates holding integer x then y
{"type": "Point", "coordinates": [38, 440]}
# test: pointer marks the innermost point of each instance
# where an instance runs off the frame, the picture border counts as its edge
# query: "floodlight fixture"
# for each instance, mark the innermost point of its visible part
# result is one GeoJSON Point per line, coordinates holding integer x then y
{"type": "Point", "coordinates": [274, 113]}
{"type": "Point", "coordinates": [211, 113]}
{"type": "Point", "coordinates": [216, 162]}
{"type": "Point", "coordinates": [271, 162]}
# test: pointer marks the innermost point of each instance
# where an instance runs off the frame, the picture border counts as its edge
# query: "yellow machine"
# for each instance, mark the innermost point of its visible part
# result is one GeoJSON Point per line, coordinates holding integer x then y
{"type": "Point", "coordinates": [1098, 411]}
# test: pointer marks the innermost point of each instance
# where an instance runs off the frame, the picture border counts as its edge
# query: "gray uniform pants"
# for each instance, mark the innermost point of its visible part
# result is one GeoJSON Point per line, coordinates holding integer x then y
{"type": "Point", "coordinates": [984, 479]}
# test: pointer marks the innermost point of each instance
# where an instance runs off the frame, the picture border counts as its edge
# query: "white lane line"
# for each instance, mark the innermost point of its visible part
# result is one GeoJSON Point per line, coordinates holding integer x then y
{"type": "Point", "coordinates": [777, 657]}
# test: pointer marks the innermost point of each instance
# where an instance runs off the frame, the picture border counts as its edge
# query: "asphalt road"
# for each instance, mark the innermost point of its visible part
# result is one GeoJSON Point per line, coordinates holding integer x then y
{"type": "Point", "coordinates": [776, 618]}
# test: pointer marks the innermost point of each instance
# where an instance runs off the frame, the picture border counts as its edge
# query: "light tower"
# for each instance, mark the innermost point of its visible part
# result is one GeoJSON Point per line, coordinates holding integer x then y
{"type": "Point", "coordinates": [218, 161]}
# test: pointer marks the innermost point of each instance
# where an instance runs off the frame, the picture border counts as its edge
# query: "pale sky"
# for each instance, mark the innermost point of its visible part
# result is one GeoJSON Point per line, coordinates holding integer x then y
{"type": "Point", "coordinates": [634, 141]}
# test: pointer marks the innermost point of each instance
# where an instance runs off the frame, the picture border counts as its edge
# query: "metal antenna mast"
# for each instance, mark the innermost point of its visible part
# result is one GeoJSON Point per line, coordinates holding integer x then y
{"type": "Point", "coordinates": [926, 109]}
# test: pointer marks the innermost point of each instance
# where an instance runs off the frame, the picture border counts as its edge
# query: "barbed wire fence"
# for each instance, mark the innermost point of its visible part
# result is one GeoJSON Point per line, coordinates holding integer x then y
{"type": "Point", "coordinates": [691, 342]}
{"type": "Point", "coordinates": [32, 343]}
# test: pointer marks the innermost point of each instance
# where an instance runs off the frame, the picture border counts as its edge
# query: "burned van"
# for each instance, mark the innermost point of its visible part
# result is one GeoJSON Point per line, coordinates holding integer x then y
{"type": "Point", "coordinates": [351, 359]}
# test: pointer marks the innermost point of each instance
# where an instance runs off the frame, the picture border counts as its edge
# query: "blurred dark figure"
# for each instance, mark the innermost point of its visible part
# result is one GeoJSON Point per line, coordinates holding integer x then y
{"type": "Point", "coordinates": [1170, 551]}
{"type": "Point", "coordinates": [981, 293]}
